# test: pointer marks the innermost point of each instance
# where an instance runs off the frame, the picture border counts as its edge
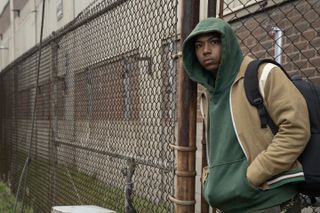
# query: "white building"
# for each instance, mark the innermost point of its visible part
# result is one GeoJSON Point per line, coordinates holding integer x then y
{"type": "Point", "coordinates": [20, 23]}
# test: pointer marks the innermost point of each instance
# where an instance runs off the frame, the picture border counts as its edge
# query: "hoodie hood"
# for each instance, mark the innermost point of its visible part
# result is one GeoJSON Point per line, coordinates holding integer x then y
{"type": "Point", "coordinates": [231, 56]}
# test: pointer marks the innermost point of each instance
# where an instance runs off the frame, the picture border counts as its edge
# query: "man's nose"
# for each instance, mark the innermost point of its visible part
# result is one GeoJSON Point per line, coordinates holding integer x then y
{"type": "Point", "coordinates": [206, 48]}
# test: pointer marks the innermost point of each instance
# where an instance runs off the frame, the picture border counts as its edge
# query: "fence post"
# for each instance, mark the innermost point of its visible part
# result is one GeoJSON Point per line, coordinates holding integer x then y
{"type": "Point", "coordinates": [52, 120]}
{"type": "Point", "coordinates": [14, 147]}
{"type": "Point", "coordinates": [3, 144]}
{"type": "Point", "coordinates": [187, 111]}
{"type": "Point", "coordinates": [128, 173]}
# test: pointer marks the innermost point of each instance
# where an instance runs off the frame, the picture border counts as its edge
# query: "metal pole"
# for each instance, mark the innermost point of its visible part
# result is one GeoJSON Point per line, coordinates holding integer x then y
{"type": "Point", "coordinates": [3, 143]}
{"type": "Point", "coordinates": [278, 35]}
{"type": "Point", "coordinates": [187, 110]}
{"type": "Point", "coordinates": [53, 100]}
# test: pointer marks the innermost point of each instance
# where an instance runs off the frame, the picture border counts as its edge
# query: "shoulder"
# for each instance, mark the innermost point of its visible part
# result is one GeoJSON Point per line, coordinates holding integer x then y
{"type": "Point", "coordinates": [243, 67]}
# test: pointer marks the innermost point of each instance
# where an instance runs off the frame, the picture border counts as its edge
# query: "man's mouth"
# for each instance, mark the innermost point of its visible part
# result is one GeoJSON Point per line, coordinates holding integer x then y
{"type": "Point", "coordinates": [208, 61]}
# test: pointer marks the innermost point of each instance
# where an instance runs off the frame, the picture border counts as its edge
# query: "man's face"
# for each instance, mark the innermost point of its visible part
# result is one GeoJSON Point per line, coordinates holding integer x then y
{"type": "Point", "coordinates": [208, 51]}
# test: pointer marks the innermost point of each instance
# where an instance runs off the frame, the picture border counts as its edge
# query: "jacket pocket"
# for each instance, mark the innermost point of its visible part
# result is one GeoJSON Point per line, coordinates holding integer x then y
{"type": "Point", "coordinates": [227, 185]}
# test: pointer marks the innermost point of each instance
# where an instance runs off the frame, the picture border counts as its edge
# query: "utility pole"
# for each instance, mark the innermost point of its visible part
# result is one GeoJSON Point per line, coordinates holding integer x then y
{"type": "Point", "coordinates": [187, 111]}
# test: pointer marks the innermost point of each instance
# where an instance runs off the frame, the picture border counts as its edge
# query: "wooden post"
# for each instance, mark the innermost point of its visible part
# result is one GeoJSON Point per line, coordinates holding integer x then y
{"type": "Point", "coordinates": [187, 111]}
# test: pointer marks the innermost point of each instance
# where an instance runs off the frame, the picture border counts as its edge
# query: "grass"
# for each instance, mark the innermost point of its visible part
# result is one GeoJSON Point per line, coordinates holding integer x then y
{"type": "Point", "coordinates": [75, 187]}
{"type": "Point", "coordinates": [7, 200]}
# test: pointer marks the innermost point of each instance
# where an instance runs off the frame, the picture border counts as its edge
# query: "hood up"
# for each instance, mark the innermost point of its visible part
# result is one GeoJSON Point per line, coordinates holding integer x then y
{"type": "Point", "coordinates": [231, 56]}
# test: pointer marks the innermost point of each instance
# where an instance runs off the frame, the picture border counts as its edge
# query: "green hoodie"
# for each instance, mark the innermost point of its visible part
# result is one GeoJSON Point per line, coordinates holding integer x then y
{"type": "Point", "coordinates": [226, 187]}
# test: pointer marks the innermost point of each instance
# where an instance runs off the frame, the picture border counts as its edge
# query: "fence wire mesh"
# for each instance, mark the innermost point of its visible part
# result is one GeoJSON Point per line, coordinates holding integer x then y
{"type": "Point", "coordinates": [287, 31]}
{"type": "Point", "coordinates": [106, 94]}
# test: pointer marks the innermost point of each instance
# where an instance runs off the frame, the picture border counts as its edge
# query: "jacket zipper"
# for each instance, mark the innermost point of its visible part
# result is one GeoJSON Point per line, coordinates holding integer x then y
{"type": "Point", "coordinates": [233, 123]}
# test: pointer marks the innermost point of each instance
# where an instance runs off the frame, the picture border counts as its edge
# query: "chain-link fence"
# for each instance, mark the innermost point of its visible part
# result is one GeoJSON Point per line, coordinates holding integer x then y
{"type": "Point", "coordinates": [106, 94]}
{"type": "Point", "coordinates": [285, 30]}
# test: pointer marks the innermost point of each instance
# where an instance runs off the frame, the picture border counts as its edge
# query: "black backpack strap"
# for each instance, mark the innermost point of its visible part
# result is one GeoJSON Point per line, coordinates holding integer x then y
{"type": "Point", "coordinates": [251, 87]}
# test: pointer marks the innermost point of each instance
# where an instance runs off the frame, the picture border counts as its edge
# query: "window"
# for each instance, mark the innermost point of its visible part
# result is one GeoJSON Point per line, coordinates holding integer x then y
{"type": "Point", "coordinates": [233, 9]}
{"type": "Point", "coordinates": [231, 6]}
{"type": "Point", "coordinates": [109, 90]}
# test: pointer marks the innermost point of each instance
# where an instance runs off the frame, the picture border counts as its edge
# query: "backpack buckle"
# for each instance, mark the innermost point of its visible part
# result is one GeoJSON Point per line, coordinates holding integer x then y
{"type": "Point", "coordinates": [257, 101]}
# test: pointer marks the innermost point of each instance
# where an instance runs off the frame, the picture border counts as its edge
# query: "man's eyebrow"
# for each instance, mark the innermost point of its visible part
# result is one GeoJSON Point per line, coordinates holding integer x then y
{"type": "Point", "coordinates": [210, 37]}
{"type": "Point", "coordinates": [214, 37]}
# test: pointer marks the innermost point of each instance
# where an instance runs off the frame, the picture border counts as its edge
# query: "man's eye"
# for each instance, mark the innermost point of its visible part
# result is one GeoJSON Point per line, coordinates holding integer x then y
{"type": "Point", "coordinates": [215, 41]}
{"type": "Point", "coordinates": [198, 46]}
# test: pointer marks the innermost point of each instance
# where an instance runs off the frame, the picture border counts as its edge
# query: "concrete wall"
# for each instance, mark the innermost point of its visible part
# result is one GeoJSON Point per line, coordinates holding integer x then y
{"type": "Point", "coordinates": [27, 24]}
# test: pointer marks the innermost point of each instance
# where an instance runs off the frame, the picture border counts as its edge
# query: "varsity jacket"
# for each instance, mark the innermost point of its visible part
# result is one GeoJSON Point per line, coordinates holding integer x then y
{"type": "Point", "coordinates": [273, 166]}
{"type": "Point", "coordinates": [272, 158]}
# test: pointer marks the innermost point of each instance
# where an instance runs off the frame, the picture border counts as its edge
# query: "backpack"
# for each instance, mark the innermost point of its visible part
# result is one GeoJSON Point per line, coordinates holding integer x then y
{"type": "Point", "coordinates": [310, 158]}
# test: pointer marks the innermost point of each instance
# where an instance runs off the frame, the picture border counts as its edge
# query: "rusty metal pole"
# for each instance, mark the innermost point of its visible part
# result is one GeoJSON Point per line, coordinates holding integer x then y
{"type": "Point", "coordinates": [187, 110]}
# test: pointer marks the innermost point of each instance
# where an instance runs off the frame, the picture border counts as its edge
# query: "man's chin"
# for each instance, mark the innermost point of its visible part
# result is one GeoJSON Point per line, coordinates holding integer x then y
{"type": "Point", "coordinates": [212, 69]}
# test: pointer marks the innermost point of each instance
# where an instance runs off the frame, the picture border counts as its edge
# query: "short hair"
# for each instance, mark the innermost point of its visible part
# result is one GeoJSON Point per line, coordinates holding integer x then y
{"type": "Point", "coordinates": [213, 33]}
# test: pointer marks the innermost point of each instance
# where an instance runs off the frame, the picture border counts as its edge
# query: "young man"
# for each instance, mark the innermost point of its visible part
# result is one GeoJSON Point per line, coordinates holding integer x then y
{"type": "Point", "coordinates": [250, 169]}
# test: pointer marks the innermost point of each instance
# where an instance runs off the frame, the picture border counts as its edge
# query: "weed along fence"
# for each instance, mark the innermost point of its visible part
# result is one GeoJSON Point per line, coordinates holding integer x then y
{"type": "Point", "coordinates": [112, 120]}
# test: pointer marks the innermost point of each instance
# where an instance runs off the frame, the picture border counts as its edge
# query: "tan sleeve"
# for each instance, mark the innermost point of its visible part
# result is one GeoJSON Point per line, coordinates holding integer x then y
{"type": "Point", "coordinates": [288, 109]}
